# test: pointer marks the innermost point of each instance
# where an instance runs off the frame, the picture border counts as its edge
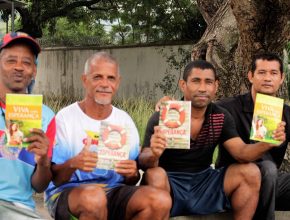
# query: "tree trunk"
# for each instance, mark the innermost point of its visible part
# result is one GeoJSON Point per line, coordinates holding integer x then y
{"type": "Point", "coordinates": [31, 20]}
{"type": "Point", "coordinates": [285, 167]}
{"type": "Point", "coordinates": [238, 29]}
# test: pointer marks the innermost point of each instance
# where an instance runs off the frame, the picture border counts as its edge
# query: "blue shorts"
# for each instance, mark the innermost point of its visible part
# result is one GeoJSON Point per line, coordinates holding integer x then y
{"type": "Point", "coordinates": [198, 193]}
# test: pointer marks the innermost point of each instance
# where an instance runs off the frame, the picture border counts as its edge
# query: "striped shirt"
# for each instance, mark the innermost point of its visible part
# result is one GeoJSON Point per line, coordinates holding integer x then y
{"type": "Point", "coordinates": [217, 128]}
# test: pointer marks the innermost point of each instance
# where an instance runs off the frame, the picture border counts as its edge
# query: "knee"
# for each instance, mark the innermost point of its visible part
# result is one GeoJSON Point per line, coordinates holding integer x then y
{"type": "Point", "coordinates": [251, 174]}
{"type": "Point", "coordinates": [159, 200]}
{"type": "Point", "coordinates": [156, 174]}
{"type": "Point", "coordinates": [92, 198]}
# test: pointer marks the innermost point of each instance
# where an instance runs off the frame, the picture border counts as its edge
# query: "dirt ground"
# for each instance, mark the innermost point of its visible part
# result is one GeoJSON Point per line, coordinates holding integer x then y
{"type": "Point", "coordinates": [40, 208]}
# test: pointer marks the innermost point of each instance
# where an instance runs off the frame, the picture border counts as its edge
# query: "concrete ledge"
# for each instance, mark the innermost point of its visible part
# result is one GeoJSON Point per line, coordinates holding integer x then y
{"type": "Point", "coordinates": [219, 216]}
{"type": "Point", "coordinates": [279, 215]}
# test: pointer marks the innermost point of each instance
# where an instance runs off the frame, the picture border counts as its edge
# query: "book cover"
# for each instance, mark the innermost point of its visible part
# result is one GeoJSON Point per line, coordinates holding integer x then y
{"type": "Point", "coordinates": [23, 112]}
{"type": "Point", "coordinates": [113, 145]}
{"type": "Point", "coordinates": [267, 115]}
{"type": "Point", "coordinates": [174, 121]}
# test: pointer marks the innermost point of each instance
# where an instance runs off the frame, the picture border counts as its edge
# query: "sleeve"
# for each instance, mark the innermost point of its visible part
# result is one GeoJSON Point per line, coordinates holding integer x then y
{"type": "Point", "coordinates": [49, 127]}
{"type": "Point", "coordinates": [61, 150]}
{"type": "Point", "coordinates": [229, 104]}
{"type": "Point", "coordinates": [135, 141]}
{"type": "Point", "coordinates": [286, 118]}
{"type": "Point", "coordinates": [229, 128]}
{"type": "Point", "coordinates": [152, 122]}
{"type": "Point", "coordinates": [50, 133]}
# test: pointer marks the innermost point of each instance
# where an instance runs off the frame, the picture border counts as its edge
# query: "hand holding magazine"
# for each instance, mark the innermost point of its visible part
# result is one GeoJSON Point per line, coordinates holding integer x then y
{"type": "Point", "coordinates": [267, 115]}
{"type": "Point", "coordinates": [23, 112]}
{"type": "Point", "coordinates": [174, 121]}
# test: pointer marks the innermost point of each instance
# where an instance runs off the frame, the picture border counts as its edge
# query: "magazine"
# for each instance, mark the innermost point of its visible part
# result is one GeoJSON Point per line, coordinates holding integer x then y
{"type": "Point", "coordinates": [267, 115]}
{"type": "Point", "coordinates": [174, 121]}
{"type": "Point", "coordinates": [113, 145]}
{"type": "Point", "coordinates": [23, 112]}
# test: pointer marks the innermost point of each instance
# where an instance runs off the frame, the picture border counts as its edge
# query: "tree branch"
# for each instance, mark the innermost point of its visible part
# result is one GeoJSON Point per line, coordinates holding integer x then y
{"type": "Point", "coordinates": [208, 8]}
{"type": "Point", "coordinates": [67, 8]}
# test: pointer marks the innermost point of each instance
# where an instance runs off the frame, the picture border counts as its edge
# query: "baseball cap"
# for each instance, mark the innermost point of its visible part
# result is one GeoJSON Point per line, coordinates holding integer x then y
{"type": "Point", "coordinates": [13, 37]}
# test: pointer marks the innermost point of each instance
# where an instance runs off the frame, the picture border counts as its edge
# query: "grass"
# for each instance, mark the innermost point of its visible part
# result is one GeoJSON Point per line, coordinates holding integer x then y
{"type": "Point", "coordinates": [56, 102]}
{"type": "Point", "coordinates": [140, 109]}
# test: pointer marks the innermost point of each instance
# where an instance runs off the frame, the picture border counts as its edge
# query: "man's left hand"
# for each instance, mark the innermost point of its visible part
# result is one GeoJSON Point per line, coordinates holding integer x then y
{"type": "Point", "coordinates": [279, 133]}
{"type": "Point", "coordinates": [39, 144]}
{"type": "Point", "coordinates": [127, 168]}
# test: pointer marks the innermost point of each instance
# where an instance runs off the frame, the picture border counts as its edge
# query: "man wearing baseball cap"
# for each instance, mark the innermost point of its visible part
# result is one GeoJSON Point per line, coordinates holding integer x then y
{"type": "Point", "coordinates": [23, 170]}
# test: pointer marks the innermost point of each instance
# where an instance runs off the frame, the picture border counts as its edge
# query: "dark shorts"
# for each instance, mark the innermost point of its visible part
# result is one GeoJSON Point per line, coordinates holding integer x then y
{"type": "Point", "coordinates": [117, 200]}
{"type": "Point", "coordinates": [198, 193]}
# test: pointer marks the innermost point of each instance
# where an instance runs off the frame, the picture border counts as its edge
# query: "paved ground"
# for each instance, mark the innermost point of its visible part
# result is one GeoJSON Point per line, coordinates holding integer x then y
{"type": "Point", "coordinates": [40, 206]}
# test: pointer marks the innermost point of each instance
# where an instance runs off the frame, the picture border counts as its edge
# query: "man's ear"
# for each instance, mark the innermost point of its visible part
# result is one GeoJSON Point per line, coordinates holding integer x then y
{"type": "Point", "coordinates": [34, 72]}
{"type": "Point", "coordinates": [282, 78]}
{"type": "Point", "coordinates": [32, 82]}
{"type": "Point", "coordinates": [84, 79]}
{"type": "Point", "coordinates": [182, 85]}
{"type": "Point", "coordinates": [217, 82]}
{"type": "Point", "coordinates": [118, 82]}
{"type": "Point", "coordinates": [250, 76]}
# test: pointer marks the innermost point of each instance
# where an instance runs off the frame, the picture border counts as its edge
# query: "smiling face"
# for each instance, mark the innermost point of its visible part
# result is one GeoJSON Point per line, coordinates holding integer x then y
{"type": "Point", "coordinates": [259, 122]}
{"type": "Point", "coordinates": [14, 127]}
{"type": "Point", "coordinates": [200, 87]}
{"type": "Point", "coordinates": [17, 68]}
{"type": "Point", "coordinates": [102, 81]}
{"type": "Point", "coordinates": [267, 77]}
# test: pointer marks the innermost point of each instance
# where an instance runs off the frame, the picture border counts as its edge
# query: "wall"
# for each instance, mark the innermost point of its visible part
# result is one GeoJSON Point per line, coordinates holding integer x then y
{"type": "Point", "coordinates": [59, 69]}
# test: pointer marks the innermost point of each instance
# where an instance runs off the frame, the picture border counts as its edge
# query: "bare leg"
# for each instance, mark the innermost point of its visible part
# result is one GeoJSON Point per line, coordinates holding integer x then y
{"type": "Point", "coordinates": [149, 203]}
{"type": "Point", "coordinates": [242, 184]}
{"type": "Point", "coordinates": [157, 178]}
{"type": "Point", "coordinates": [88, 203]}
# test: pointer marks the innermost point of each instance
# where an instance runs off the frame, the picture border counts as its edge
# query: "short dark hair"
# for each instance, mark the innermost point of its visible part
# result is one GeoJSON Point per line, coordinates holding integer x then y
{"type": "Point", "coordinates": [200, 64]}
{"type": "Point", "coordinates": [266, 56]}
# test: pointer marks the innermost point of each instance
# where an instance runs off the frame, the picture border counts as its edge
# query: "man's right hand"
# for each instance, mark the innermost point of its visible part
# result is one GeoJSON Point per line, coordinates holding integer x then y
{"type": "Point", "coordinates": [163, 99]}
{"type": "Point", "coordinates": [279, 133]}
{"type": "Point", "coordinates": [85, 160]}
{"type": "Point", "coordinates": [157, 142]}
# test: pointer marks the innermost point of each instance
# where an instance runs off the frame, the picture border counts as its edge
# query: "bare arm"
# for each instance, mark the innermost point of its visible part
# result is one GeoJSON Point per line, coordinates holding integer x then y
{"type": "Point", "coordinates": [41, 177]}
{"type": "Point", "coordinates": [250, 152]}
{"type": "Point", "coordinates": [39, 144]}
{"type": "Point", "coordinates": [246, 152]}
{"type": "Point", "coordinates": [149, 156]}
{"type": "Point", "coordinates": [85, 161]}
{"type": "Point", "coordinates": [147, 159]}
